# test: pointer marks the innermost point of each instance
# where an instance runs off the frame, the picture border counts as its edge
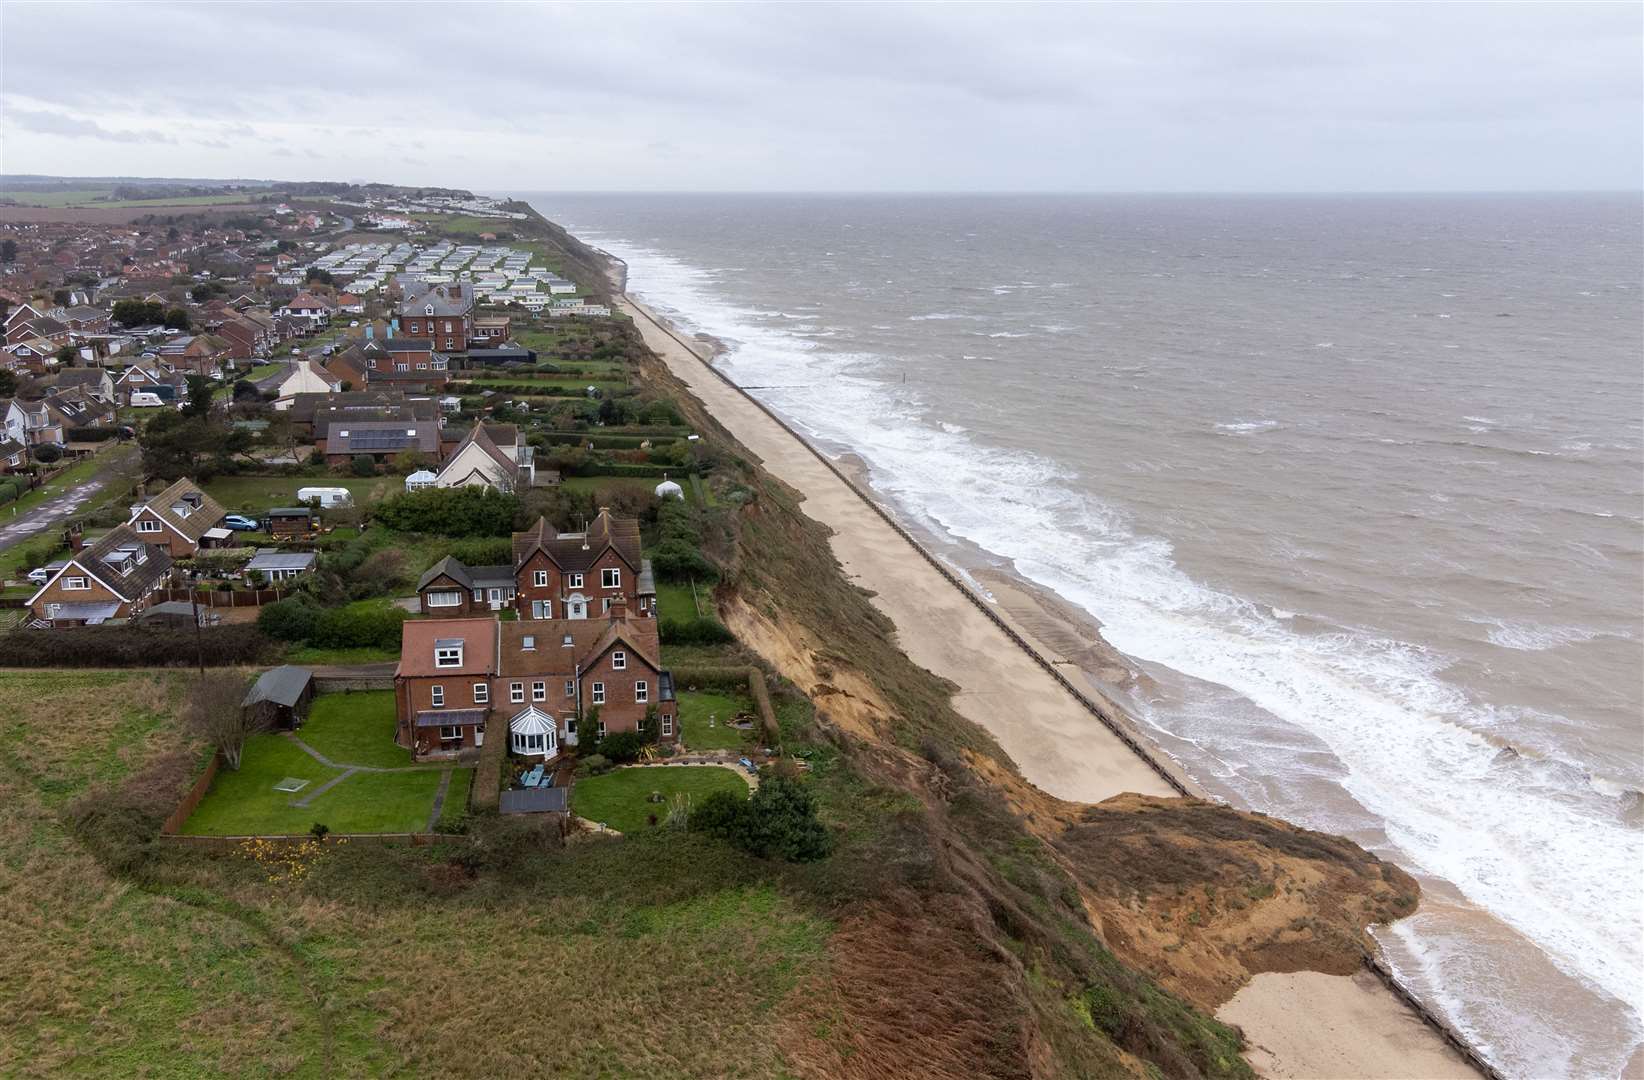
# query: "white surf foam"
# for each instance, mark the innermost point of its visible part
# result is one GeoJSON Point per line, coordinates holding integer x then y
{"type": "Point", "coordinates": [1552, 862]}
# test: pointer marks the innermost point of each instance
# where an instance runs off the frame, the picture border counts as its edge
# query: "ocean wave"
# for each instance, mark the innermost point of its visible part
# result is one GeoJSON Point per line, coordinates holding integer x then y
{"type": "Point", "coordinates": [1247, 427]}
{"type": "Point", "coordinates": [1529, 637]}
{"type": "Point", "coordinates": [942, 316]}
{"type": "Point", "coordinates": [1553, 863]}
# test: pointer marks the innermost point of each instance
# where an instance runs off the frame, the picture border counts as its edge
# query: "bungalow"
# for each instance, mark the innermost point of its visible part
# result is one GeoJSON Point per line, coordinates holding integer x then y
{"type": "Point", "coordinates": [492, 456]}
{"type": "Point", "coordinates": [114, 578]}
{"type": "Point", "coordinates": [276, 566]}
{"type": "Point", "coordinates": [315, 310]}
{"type": "Point", "coordinates": [151, 378]}
{"type": "Point", "coordinates": [380, 439]}
{"type": "Point", "coordinates": [178, 518]}
{"type": "Point", "coordinates": [451, 589]}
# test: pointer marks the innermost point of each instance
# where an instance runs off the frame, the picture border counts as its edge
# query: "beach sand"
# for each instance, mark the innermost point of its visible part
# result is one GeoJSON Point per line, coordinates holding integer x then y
{"type": "Point", "coordinates": [1309, 1026]}
{"type": "Point", "coordinates": [1299, 1025]}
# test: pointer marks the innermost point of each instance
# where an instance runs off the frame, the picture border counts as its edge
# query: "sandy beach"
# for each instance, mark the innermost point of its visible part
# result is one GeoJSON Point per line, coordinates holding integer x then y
{"type": "Point", "coordinates": [1299, 1025]}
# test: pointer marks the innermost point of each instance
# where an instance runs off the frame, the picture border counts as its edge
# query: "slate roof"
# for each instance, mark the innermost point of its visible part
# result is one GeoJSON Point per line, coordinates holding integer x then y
{"type": "Point", "coordinates": [576, 552]}
{"type": "Point", "coordinates": [207, 513]}
{"type": "Point", "coordinates": [590, 639]}
{"type": "Point", "coordinates": [456, 298]}
{"type": "Point", "coordinates": [450, 567]}
{"type": "Point", "coordinates": [404, 344]}
{"type": "Point", "coordinates": [381, 436]}
{"type": "Point", "coordinates": [283, 685]}
{"type": "Point", "coordinates": [137, 576]}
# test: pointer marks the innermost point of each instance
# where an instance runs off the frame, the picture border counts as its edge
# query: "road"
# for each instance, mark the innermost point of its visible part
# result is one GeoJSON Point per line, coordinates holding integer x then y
{"type": "Point", "coordinates": [63, 506]}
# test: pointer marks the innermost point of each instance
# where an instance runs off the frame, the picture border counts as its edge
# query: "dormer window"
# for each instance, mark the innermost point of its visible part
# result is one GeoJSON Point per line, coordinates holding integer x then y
{"type": "Point", "coordinates": [428, 310]}
{"type": "Point", "coordinates": [448, 654]}
{"type": "Point", "coordinates": [147, 525]}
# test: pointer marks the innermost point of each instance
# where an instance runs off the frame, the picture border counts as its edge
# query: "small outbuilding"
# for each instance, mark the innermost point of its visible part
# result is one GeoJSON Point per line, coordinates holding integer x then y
{"type": "Point", "coordinates": [280, 697]}
{"type": "Point", "coordinates": [668, 489]}
{"type": "Point", "coordinates": [292, 521]}
{"type": "Point", "coordinates": [422, 478]}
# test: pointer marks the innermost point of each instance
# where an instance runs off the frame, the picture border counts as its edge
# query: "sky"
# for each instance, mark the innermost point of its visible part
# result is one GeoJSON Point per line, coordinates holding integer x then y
{"type": "Point", "coordinates": [819, 97]}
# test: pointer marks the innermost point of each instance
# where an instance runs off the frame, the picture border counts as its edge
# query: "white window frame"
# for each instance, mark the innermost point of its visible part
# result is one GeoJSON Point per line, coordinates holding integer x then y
{"type": "Point", "coordinates": [642, 691]}
{"type": "Point", "coordinates": [76, 584]}
{"type": "Point", "coordinates": [542, 609]}
{"type": "Point", "coordinates": [479, 596]}
{"type": "Point", "coordinates": [602, 729]}
{"type": "Point", "coordinates": [619, 660]}
{"type": "Point", "coordinates": [667, 724]}
{"type": "Point", "coordinates": [451, 653]}
{"type": "Point", "coordinates": [454, 730]}
{"type": "Point", "coordinates": [598, 691]}
{"type": "Point", "coordinates": [610, 578]}
{"type": "Point", "coordinates": [528, 643]}
{"type": "Point", "coordinates": [570, 688]}
{"type": "Point", "coordinates": [539, 578]}
{"type": "Point", "coordinates": [436, 696]}
{"type": "Point", "coordinates": [539, 690]}
{"type": "Point", "coordinates": [445, 598]}
{"type": "Point", "coordinates": [482, 693]}
{"type": "Point", "coordinates": [148, 525]}
{"type": "Point", "coordinates": [516, 693]}
{"type": "Point", "coordinates": [573, 581]}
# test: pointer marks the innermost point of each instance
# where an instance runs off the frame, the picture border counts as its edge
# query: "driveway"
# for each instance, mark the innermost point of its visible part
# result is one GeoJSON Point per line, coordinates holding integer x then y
{"type": "Point", "coordinates": [16, 529]}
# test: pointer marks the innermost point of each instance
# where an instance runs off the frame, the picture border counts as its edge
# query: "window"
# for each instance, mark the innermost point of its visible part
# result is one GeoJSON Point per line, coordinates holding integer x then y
{"type": "Point", "coordinates": [573, 581]}
{"type": "Point", "coordinates": [539, 691]}
{"type": "Point", "coordinates": [542, 609]}
{"type": "Point", "coordinates": [642, 691]}
{"type": "Point", "coordinates": [479, 596]}
{"type": "Point", "coordinates": [599, 695]}
{"type": "Point", "coordinates": [482, 693]}
{"type": "Point", "coordinates": [75, 583]}
{"type": "Point", "coordinates": [602, 729]}
{"type": "Point", "coordinates": [516, 692]}
{"type": "Point", "coordinates": [446, 598]}
{"type": "Point", "coordinates": [566, 642]}
{"type": "Point", "coordinates": [540, 579]}
{"type": "Point", "coordinates": [401, 365]}
{"type": "Point", "coordinates": [436, 696]}
{"type": "Point", "coordinates": [450, 733]}
{"type": "Point", "coordinates": [610, 579]}
{"type": "Point", "coordinates": [448, 656]}
{"type": "Point", "coordinates": [667, 725]}
{"type": "Point", "coordinates": [619, 661]}
{"type": "Point", "coordinates": [528, 643]}
{"type": "Point", "coordinates": [147, 525]}
{"type": "Point", "coordinates": [530, 744]}
{"type": "Point", "coordinates": [570, 688]}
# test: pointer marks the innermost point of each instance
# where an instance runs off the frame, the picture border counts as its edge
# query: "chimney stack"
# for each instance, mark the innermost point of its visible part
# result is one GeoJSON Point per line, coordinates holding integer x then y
{"type": "Point", "coordinates": [619, 609]}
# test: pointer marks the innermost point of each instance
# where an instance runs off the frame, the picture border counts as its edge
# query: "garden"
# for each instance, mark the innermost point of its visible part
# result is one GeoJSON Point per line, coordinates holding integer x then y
{"type": "Point", "coordinates": [716, 719]}
{"type": "Point", "coordinates": [638, 798]}
{"type": "Point", "coordinates": [366, 784]}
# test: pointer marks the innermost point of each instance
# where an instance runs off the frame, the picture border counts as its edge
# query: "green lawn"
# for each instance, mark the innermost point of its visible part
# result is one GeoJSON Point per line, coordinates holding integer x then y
{"type": "Point", "coordinates": [314, 656]}
{"type": "Point", "coordinates": [244, 803]}
{"type": "Point", "coordinates": [566, 386]}
{"type": "Point", "coordinates": [695, 710]}
{"type": "Point", "coordinates": [256, 494]}
{"type": "Point", "coordinates": [263, 371]}
{"type": "Point", "coordinates": [675, 601]}
{"type": "Point", "coordinates": [456, 798]}
{"type": "Point", "coordinates": [641, 485]}
{"type": "Point", "coordinates": [619, 799]}
{"type": "Point", "coordinates": [355, 729]}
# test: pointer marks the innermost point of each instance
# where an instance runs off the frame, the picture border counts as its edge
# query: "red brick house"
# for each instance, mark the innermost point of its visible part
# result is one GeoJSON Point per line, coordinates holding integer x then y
{"type": "Point", "coordinates": [442, 314]}
{"type": "Point", "coordinates": [114, 578]}
{"type": "Point", "coordinates": [555, 680]}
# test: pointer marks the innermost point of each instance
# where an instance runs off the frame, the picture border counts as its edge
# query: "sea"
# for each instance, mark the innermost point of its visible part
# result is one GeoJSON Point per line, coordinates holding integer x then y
{"type": "Point", "coordinates": [1354, 482]}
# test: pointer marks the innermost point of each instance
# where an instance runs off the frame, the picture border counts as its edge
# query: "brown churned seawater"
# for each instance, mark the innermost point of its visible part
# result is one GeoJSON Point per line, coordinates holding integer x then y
{"type": "Point", "coordinates": [1354, 482]}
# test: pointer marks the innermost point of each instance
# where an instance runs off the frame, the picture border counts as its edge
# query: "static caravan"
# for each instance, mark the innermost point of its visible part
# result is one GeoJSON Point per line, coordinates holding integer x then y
{"type": "Point", "coordinates": [329, 496]}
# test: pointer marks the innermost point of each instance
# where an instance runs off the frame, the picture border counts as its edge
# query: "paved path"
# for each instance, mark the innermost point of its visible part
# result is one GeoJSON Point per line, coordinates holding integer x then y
{"type": "Point", "coordinates": [325, 787]}
{"type": "Point", "coordinates": [59, 508]}
{"type": "Point", "coordinates": [439, 800]}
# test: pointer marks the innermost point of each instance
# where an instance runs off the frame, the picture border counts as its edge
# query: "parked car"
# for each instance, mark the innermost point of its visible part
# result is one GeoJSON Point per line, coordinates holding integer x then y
{"type": "Point", "coordinates": [241, 523]}
{"type": "Point", "coordinates": [42, 574]}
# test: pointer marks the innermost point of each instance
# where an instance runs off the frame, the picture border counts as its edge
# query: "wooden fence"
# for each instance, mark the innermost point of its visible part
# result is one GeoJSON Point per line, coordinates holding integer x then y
{"type": "Point", "coordinates": [191, 801]}
{"type": "Point", "coordinates": [229, 843]}
{"type": "Point", "coordinates": [226, 598]}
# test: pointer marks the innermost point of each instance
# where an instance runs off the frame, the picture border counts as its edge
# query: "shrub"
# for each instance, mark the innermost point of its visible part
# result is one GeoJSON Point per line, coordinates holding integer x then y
{"type": "Point", "coordinates": [722, 814]}
{"type": "Point", "coordinates": [468, 511]}
{"type": "Point", "coordinates": [622, 746]}
{"type": "Point", "coordinates": [482, 551]}
{"type": "Point", "coordinates": [119, 823]}
{"type": "Point", "coordinates": [358, 627]}
{"type": "Point", "coordinates": [702, 631]}
{"type": "Point", "coordinates": [363, 465]}
{"type": "Point", "coordinates": [136, 646]}
{"type": "Point", "coordinates": [678, 560]}
{"type": "Point", "coordinates": [292, 619]}
{"type": "Point", "coordinates": [46, 453]}
{"type": "Point", "coordinates": [778, 822]}
{"type": "Point", "coordinates": [593, 765]}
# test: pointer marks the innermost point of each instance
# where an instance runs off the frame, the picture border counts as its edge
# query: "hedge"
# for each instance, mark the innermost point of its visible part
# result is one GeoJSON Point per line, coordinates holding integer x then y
{"type": "Point", "coordinates": [702, 631]}
{"type": "Point", "coordinates": [95, 434]}
{"type": "Point", "coordinates": [519, 390]}
{"type": "Point", "coordinates": [594, 468]}
{"type": "Point", "coordinates": [136, 646]}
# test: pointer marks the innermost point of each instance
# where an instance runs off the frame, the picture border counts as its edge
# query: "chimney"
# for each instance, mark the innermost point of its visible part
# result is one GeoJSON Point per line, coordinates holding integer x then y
{"type": "Point", "coordinates": [619, 609]}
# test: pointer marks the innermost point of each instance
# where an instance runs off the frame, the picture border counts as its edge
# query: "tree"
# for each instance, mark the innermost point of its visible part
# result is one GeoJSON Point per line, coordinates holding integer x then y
{"type": "Point", "coordinates": [200, 390]}
{"type": "Point", "coordinates": [68, 354]}
{"type": "Point", "coordinates": [363, 465]}
{"type": "Point", "coordinates": [177, 319]}
{"type": "Point", "coordinates": [133, 312]}
{"type": "Point", "coordinates": [245, 390]}
{"type": "Point", "coordinates": [779, 821]}
{"type": "Point", "coordinates": [61, 297]}
{"type": "Point", "coordinates": [46, 453]}
{"type": "Point", "coordinates": [466, 511]}
{"type": "Point", "coordinates": [8, 384]}
{"type": "Point", "coordinates": [8, 251]}
{"type": "Point", "coordinates": [409, 461]}
{"type": "Point", "coordinates": [315, 274]}
{"type": "Point", "coordinates": [207, 290]}
{"type": "Point", "coordinates": [213, 712]}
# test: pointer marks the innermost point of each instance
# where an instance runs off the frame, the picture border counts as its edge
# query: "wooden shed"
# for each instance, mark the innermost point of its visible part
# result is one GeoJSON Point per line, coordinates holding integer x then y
{"type": "Point", "coordinates": [281, 696]}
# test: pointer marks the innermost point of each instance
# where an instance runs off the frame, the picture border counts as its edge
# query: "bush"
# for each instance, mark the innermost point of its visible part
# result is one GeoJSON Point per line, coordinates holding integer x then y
{"type": "Point", "coordinates": [292, 619]}
{"type": "Point", "coordinates": [136, 646]}
{"type": "Point", "coordinates": [96, 434]}
{"type": "Point", "coordinates": [622, 747]}
{"type": "Point", "coordinates": [363, 465]}
{"type": "Point", "coordinates": [119, 823]}
{"type": "Point", "coordinates": [358, 627]}
{"type": "Point", "coordinates": [778, 822]}
{"type": "Point", "coordinates": [482, 551]}
{"type": "Point", "coordinates": [468, 511]}
{"type": "Point", "coordinates": [703, 631]}
{"type": "Point", "coordinates": [46, 453]}
{"type": "Point", "coordinates": [593, 765]}
{"type": "Point", "coordinates": [678, 560]}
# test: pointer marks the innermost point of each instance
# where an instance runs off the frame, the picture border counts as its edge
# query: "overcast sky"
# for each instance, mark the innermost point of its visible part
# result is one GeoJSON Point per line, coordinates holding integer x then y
{"type": "Point", "coordinates": [1212, 97]}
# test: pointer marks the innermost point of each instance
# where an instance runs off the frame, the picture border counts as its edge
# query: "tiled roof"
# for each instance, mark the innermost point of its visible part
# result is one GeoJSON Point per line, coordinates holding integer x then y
{"type": "Point", "coordinates": [136, 577]}
{"type": "Point", "coordinates": [576, 552]}
{"type": "Point", "coordinates": [206, 514]}
{"type": "Point", "coordinates": [479, 638]}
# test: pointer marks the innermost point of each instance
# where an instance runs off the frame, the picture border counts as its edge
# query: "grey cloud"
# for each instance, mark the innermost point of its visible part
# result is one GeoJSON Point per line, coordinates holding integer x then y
{"type": "Point", "coordinates": [56, 123]}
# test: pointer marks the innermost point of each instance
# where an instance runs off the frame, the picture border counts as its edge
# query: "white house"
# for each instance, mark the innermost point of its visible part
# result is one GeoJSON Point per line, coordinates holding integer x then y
{"type": "Point", "coordinates": [307, 377]}
{"type": "Point", "coordinates": [490, 456]}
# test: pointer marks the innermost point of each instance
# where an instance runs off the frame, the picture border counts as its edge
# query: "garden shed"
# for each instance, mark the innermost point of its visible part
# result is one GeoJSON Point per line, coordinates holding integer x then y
{"type": "Point", "coordinates": [280, 697]}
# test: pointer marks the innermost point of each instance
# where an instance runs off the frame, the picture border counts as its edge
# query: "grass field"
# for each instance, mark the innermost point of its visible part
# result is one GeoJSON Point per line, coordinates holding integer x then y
{"type": "Point", "coordinates": [255, 494]}
{"type": "Point", "coordinates": [675, 601]}
{"type": "Point", "coordinates": [99, 197]}
{"type": "Point", "coordinates": [699, 709]}
{"type": "Point", "coordinates": [620, 799]}
{"type": "Point", "coordinates": [640, 485]}
{"type": "Point", "coordinates": [357, 728]}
